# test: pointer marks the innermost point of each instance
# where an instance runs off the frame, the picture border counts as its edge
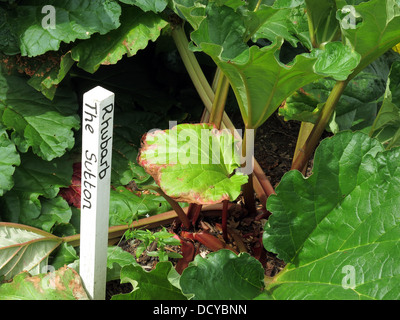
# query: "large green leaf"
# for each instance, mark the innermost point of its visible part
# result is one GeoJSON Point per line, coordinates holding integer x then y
{"type": "Point", "coordinates": [73, 19]}
{"type": "Point", "coordinates": [153, 285]}
{"type": "Point", "coordinates": [136, 30]}
{"type": "Point", "coordinates": [62, 284]}
{"type": "Point", "coordinates": [24, 248]}
{"type": "Point", "coordinates": [46, 126]}
{"type": "Point", "coordinates": [126, 206]}
{"type": "Point", "coordinates": [223, 275]}
{"type": "Point", "coordinates": [322, 21]}
{"type": "Point", "coordinates": [261, 82]}
{"type": "Point", "coordinates": [258, 78]}
{"type": "Point", "coordinates": [357, 106]}
{"type": "Point", "coordinates": [148, 5]}
{"type": "Point", "coordinates": [33, 200]}
{"type": "Point", "coordinates": [117, 258]}
{"type": "Point", "coordinates": [124, 166]}
{"type": "Point", "coordinates": [193, 163]}
{"type": "Point", "coordinates": [386, 127]}
{"type": "Point", "coordinates": [9, 158]}
{"type": "Point", "coordinates": [376, 33]}
{"type": "Point", "coordinates": [338, 230]}
{"type": "Point", "coordinates": [50, 74]}
{"type": "Point", "coordinates": [290, 24]}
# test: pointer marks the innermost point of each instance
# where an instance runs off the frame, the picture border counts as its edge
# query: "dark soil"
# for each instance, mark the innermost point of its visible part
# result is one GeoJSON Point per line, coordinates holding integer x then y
{"type": "Point", "coordinates": [274, 147]}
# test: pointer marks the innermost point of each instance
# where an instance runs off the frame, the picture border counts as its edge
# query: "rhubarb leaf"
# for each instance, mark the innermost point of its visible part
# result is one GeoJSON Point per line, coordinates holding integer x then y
{"type": "Point", "coordinates": [64, 21]}
{"type": "Point", "coordinates": [386, 127]}
{"type": "Point", "coordinates": [193, 163]}
{"type": "Point", "coordinates": [338, 230]}
{"type": "Point", "coordinates": [260, 81]}
{"type": "Point", "coordinates": [24, 248]}
{"type": "Point", "coordinates": [126, 206]}
{"type": "Point", "coordinates": [136, 30]}
{"type": "Point", "coordinates": [376, 29]}
{"type": "Point", "coordinates": [148, 5]}
{"type": "Point", "coordinates": [33, 200]}
{"type": "Point", "coordinates": [9, 158]}
{"type": "Point", "coordinates": [153, 285]}
{"type": "Point", "coordinates": [62, 284]}
{"type": "Point", "coordinates": [46, 126]}
{"type": "Point", "coordinates": [223, 275]}
{"type": "Point", "coordinates": [357, 106]}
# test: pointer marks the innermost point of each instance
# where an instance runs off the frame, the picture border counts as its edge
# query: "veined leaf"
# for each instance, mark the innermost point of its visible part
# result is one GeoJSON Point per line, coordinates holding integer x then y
{"type": "Point", "coordinates": [136, 30]}
{"type": "Point", "coordinates": [9, 158]}
{"type": "Point", "coordinates": [193, 163]}
{"type": "Point", "coordinates": [62, 284]}
{"type": "Point", "coordinates": [50, 74]}
{"type": "Point", "coordinates": [386, 127]}
{"type": "Point", "coordinates": [148, 5]}
{"type": "Point", "coordinates": [345, 216]}
{"type": "Point", "coordinates": [376, 33]}
{"type": "Point", "coordinates": [357, 106]}
{"type": "Point", "coordinates": [62, 21]}
{"type": "Point", "coordinates": [33, 200]}
{"type": "Point", "coordinates": [23, 248]}
{"type": "Point", "coordinates": [46, 126]}
{"type": "Point", "coordinates": [223, 275]}
{"type": "Point", "coordinates": [153, 285]}
{"type": "Point", "coordinates": [125, 206]}
{"type": "Point", "coordinates": [259, 80]}
{"type": "Point", "coordinates": [322, 21]}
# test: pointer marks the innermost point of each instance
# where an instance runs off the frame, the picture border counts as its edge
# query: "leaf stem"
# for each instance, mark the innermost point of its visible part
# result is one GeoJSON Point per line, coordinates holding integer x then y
{"type": "Point", "coordinates": [248, 189]}
{"type": "Point", "coordinates": [305, 152]}
{"type": "Point", "coordinates": [175, 205]}
{"type": "Point", "coordinates": [218, 106]}
{"type": "Point", "coordinates": [192, 66]}
{"type": "Point", "coordinates": [304, 133]}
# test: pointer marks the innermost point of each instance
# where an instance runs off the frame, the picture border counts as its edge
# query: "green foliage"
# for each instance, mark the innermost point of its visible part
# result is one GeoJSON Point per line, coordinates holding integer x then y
{"type": "Point", "coordinates": [259, 79]}
{"type": "Point", "coordinates": [71, 19]}
{"type": "Point", "coordinates": [344, 214]}
{"type": "Point", "coordinates": [136, 29]}
{"type": "Point", "coordinates": [357, 106]}
{"type": "Point", "coordinates": [193, 163]}
{"type": "Point", "coordinates": [24, 248]}
{"type": "Point", "coordinates": [62, 284]}
{"type": "Point", "coordinates": [386, 127]}
{"type": "Point", "coordinates": [153, 285]}
{"type": "Point", "coordinates": [160, 239]}
{"type": "Point", "coordinates": [223, 275]}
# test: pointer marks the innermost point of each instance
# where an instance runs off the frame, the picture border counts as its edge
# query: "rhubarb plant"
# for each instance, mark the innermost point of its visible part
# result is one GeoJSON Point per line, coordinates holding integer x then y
{"type": "Point", "coordinates": [326, 64]}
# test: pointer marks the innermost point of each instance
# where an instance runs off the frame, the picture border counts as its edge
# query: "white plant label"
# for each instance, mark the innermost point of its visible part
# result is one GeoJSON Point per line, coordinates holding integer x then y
{"type": "Point", "coordinates": [97, 133]}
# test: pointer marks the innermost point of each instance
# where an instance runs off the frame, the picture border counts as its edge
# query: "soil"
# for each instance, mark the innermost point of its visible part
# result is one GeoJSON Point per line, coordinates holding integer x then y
{"type": "Point", "coordinates": [274, 147]}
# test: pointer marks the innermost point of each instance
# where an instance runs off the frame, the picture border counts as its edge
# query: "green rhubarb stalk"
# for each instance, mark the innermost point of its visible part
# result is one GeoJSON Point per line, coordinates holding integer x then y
{"type": "Point", "coordinates": [312, 141]}
{"type": "Point", "coordinates": [304, 133]}
{"type": "Point", "coordinates": [221, 94]}
{"type": "Point", "coordinates": [192, 66]}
